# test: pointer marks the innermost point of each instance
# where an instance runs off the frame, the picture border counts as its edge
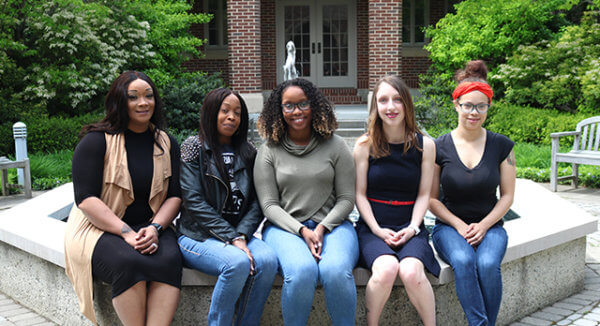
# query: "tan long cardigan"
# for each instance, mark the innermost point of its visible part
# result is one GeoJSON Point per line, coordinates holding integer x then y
{"type": "Point", "coordinates": [117, 193]}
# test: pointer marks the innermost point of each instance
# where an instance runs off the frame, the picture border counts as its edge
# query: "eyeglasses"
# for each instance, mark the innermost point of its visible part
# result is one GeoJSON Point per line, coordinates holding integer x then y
{"type": "Point", "coordinates": [290, 107]}
{"type": "Point", "coordinates": [468, 107]}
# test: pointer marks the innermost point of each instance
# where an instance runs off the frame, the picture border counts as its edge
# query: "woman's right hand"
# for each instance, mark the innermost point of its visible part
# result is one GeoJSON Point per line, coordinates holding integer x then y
{"type": "Point", "coordinates": [385, 234]}
{"type": "Point", "coordinates": [312, 241]}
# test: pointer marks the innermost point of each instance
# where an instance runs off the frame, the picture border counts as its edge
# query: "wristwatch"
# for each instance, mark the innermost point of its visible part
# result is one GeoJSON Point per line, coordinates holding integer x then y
{"type": "Point", "coordinates": [417, 230]}
{"type": "Point", "coordinates": [158, 227]}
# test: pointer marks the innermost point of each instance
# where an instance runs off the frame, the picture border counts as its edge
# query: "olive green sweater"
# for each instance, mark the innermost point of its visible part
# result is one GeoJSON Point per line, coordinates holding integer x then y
{"type": "Point", "coordinates": [296, 183]}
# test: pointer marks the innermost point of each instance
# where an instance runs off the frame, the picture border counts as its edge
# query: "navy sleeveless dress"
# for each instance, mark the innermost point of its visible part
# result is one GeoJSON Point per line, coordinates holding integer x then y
{"type": "Point", "coordinates": [395, 178]}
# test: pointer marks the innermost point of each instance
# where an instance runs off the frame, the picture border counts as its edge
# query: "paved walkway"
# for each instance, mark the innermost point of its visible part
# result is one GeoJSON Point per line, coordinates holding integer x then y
{"type": "Point", "coordinates": [581, 309]}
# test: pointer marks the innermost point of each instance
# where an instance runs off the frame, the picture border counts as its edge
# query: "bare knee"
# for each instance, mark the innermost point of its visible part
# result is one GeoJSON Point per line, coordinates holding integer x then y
{"type": "Point", "coordinates": [412, 272]}
{"type": "Point", "coordinates": [385, 270]}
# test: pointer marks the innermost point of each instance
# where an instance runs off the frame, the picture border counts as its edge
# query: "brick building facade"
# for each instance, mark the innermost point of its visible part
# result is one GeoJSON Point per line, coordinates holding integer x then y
{"type": "Point", "coordinates": [343, 46]}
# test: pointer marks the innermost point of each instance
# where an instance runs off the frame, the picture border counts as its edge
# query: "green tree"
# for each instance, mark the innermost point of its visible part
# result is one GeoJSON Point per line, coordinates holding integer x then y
{"type": "Point", "coordinates": [491, 30]}
{"type": "Point", "coordinates": [562, 73]}
{"type": "Point", "coordinates": [60, 56]}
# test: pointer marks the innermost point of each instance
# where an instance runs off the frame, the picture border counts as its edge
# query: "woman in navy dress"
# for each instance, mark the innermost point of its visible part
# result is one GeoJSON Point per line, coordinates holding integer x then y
{"type": "Point", "coordinates": [394, 170]}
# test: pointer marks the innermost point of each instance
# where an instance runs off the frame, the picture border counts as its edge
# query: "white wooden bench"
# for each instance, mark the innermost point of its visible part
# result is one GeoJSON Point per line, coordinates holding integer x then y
{"type": "Point", "coordinates": [585, 150]}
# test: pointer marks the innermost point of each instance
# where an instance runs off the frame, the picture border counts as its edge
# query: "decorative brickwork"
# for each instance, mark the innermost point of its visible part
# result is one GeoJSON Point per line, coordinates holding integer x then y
{"type": "Point", "coordinates": [385, 38]}
{"type": "Point", "coordinates": [244, 48]}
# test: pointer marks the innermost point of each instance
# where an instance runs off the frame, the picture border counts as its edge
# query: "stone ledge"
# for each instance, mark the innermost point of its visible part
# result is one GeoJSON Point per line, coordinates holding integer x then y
{"type": "Point", "coordinates": [544, 262]}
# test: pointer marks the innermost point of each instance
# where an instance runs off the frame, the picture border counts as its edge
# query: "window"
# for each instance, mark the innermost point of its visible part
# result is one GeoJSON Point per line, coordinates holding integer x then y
{"type": "Point", "coordinates": [216, 30]}
{"type": "Point", "coordinates": [415, 16]}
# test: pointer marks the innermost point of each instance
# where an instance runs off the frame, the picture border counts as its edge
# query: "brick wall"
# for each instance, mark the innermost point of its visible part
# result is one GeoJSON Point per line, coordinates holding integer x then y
{"type": "Point", "coordinates": [385, 38]}
{"type": "Point", "coordinates": [362, 46]}
{"type": "Point", "coordinates": [412, 67]}
{"type": "Point", "coordinates": [208, 65]}
{"type": "Point", "coordinates": [243, 32]}
{"type": "Point", "coordinates": [268, 46]}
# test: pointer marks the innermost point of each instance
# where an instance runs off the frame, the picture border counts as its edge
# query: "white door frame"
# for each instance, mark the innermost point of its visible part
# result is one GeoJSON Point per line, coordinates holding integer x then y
{"type": "Point", "coordinates": [316, 41]}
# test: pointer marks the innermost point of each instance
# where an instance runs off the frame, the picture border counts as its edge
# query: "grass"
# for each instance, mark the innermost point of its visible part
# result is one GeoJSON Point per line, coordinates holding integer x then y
{"type": "Point", "coordinates": [47, 170]}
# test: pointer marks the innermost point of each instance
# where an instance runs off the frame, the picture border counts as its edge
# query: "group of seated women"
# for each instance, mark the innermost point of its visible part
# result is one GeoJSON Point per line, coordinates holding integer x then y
{"type": "Point", "coordinates": [131, 180]}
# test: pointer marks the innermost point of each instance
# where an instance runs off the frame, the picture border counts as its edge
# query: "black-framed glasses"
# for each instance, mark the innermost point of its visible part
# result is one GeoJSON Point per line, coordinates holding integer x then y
{"type": "Point", "coordinates": [468, 107]}
{"type": "Point", "coordinates": [290, 107]}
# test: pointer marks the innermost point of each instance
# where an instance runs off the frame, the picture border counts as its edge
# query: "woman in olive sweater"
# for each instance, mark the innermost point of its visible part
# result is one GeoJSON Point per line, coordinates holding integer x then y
{"type": "Point", "coordinates": [304, 178]}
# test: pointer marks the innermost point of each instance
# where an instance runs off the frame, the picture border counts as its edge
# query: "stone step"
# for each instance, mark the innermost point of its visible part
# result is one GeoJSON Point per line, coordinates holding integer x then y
{"type": "Point", "coordinates": [350, 132]}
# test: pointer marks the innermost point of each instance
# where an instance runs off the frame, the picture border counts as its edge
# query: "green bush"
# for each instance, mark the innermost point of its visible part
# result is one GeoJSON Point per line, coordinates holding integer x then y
{"type": "Point", "coordinates": [63, 54]}
{"type": "Point", "coordinates": [50, 134]}
{"type": "Point", "coordinates": [558, 74]}
{"type": "Point", "coordinates": [183, 99]}
{"type": "Point", "coordinates": [491, 30]}
{"type": "Point", "coordinates": [433, 106]}
{"type": "Point", "coordinates": [530, 125]}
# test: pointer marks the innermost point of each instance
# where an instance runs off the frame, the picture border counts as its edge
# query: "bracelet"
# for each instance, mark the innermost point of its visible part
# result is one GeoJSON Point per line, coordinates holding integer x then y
{"type": "Point", "coordinates": [240, 237]}
{"type": "Point", "coordinates": [416, 229]}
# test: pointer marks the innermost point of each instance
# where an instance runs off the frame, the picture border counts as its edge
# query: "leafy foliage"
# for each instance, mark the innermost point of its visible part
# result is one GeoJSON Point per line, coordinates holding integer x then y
{"type": "Point", "coordinates": [530, 125]}
{"type": "Point", "coordinates": [557, 74]}
{"type": "Point", "coordinates": [183, 99]}
{"type": "Point", "coordinates": [491, 30]}
{"type": "Point", "coordinates": [63, 54]}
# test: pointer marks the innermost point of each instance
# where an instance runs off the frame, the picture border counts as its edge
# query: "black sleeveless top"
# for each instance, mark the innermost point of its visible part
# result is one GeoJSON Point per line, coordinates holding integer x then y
{"type": "Point", "coordinates": [470, 194]}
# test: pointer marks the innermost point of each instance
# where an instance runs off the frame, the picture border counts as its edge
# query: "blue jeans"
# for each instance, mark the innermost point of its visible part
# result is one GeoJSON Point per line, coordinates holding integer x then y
{"type": "Point", "coordinates": [476, 271]}
{"type": "Point", "coordinates": [234, 282]}
{"type": "Point", "coordinates": [301, 273]}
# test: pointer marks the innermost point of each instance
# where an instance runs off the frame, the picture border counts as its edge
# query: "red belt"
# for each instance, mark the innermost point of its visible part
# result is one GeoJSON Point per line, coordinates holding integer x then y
{"type": "Point", "coordinates": [392, 202]}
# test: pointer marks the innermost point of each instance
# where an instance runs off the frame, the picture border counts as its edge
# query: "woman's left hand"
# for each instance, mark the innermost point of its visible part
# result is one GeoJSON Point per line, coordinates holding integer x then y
{"type": "Point", "coordinates": [475, 234]}
{"type": "Point", "coordinates": [401, 237]}
{"type": "Point", "coordinates": [243, 245]}
{"type": "Point", "coordinates": [147, 240]}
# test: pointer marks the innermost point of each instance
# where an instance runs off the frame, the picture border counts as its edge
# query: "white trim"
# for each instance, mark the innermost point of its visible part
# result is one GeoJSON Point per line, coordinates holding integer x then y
{"type": "Point", "coordinates": [316, 37]}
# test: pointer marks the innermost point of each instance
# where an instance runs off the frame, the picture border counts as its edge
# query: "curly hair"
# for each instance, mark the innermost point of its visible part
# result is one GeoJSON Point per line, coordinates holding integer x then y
{"type": "Point", "coordinates": [475, 71]}
{"type": "Point", "coordinates": [273, 127]}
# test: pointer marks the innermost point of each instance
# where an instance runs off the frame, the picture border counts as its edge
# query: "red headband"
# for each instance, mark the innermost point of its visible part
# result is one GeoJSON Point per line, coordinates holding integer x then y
{"type": "Point", "coordinates": [465, 88]}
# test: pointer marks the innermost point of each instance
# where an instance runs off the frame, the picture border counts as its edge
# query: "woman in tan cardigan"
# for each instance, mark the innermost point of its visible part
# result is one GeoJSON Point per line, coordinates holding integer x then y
{"type": "Point", "coordinates": [126, 183]}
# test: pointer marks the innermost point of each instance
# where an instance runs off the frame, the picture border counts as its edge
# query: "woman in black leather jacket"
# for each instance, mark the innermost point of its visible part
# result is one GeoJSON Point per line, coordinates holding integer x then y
{"type": "Point", "coordinates": [220, 212]}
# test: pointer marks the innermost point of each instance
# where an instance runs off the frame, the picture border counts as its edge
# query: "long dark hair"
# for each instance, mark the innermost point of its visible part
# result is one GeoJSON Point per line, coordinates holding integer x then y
{"type": "Point", "coordinates": [271, 124]}
{"type": "Point", "coordinates": [116, 119]}
{"type": "Point", "coordinates": [378, 143]}
{"type": "Point", "coordinates": [210, 134]}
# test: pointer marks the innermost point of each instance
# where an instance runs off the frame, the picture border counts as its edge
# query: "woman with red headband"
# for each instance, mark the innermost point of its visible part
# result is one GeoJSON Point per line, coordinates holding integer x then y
{"type": "Point", "coordinates": [471, 162]}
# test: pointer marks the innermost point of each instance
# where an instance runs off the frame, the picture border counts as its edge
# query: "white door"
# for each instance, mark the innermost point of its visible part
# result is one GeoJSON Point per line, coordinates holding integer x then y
{"type": "Point", "coordinates": [324, 33]}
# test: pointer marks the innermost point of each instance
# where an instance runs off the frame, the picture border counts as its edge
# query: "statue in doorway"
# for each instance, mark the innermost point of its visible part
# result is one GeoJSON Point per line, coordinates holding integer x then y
{"type": "Point", "coordinates": [289, 68]}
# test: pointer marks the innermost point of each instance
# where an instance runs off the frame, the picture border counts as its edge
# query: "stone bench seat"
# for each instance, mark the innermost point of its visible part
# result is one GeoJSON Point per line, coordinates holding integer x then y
{"type": "Point", "coordinates": [544, 263]}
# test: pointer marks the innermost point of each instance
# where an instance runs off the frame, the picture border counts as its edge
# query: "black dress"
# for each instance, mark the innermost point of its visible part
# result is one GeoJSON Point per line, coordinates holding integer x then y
{"type": "Point", "coordinates": [113, 260]}
{"type": "Point", "coordinates": [395, 177]}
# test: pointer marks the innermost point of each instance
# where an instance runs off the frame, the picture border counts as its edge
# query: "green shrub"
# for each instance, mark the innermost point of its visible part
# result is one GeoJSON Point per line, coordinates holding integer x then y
{"type": "Point", "coordinates": [50, 134]}
{"type": "Point", "coordinates": [558, 74]}
{"type": "Point", "coordinates": [491, 30]}
{"type": "Point", "coordinates": [183, 99]}
{"type": "Point", "coordinates": [63, 54]}
{"type": "Point", "coordinates": [433, 106]}
{"type": "Point", "coordinates": [530, 125]}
